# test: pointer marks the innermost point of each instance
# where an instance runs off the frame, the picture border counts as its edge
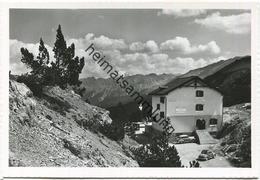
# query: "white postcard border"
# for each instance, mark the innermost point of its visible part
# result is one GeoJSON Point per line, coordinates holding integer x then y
{"type": "Point", "coordinates": [128, 172]}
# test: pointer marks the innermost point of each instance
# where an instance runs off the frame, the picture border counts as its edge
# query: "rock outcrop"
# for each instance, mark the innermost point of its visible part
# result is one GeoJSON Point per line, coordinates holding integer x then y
{"type": "Point", "coordinates": [59, 129]}
{"type": "Point", "coordinates": [235, 136]}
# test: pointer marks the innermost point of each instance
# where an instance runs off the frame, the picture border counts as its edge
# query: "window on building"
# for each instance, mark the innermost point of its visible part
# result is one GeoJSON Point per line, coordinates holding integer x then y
{"type": "Point", "coordinates": [162, 114]}
{"type": "Point", "coordinates": [158, 106]}
{"type": "Point", "coordinates": [162, 100]}
{"type": "Point", "coordinates": [199, 93]}
{"type": "Point", "coordinates": [199, 107]}
{"type": "Point", "coordinates": [213, 121]}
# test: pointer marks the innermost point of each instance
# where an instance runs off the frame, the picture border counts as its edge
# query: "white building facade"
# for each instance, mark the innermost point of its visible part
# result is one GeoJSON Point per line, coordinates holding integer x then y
{"type": "Point", "coordinates": [190, 104]}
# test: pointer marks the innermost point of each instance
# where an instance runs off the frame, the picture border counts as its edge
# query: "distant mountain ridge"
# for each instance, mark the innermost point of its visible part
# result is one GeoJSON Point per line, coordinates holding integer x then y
{"type": "Point", "coordinates": [231, 76]}
{"type": "Point", "coordinates": [106, 93]}
{"type": "Point", "coordinates": [209, 70]}
{"type": "Point", "coordinates": [234, 80]}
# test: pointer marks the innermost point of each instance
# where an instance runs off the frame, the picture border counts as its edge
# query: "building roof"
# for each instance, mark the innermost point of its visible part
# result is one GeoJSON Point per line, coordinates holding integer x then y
{"type": "Point", "coordinates": [176, 83]}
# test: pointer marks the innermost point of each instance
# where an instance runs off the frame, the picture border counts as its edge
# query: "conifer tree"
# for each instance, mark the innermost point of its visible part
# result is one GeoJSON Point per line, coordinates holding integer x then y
{"type": "Point", "coordinates": [63, 70]}
{"type": "Point", "coordinates": [158, 154]}
{"type": "Point", "coordinates": [59, 48]}
{"type": "Point", "coordinates": [67, 66]}
{"type": "Point", "coordinates": [36, 65]}
{"type": "Point", "coordinates": [27, 58]}
{"type": "Point", "coordinates": [43, 56]}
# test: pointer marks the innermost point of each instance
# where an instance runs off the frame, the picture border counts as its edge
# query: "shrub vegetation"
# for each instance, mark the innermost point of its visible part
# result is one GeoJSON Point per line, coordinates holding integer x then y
{"type": "Point", "coordinates": [114, 131]}
{"type": "Point", "coordinates": [63, 70]}
{"type": "Point", "coordinates": [158, 154]}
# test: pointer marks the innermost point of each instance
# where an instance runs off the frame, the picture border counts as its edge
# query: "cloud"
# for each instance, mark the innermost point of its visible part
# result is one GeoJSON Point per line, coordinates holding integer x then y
{"type": "Point", "coordinates": [136, 58]}
{"type": "Point", "coordinates": [177, 13]}
{"type": "Point", "coordinates": [162, 63]}
{"type": "Point", "coordinates": [101, 42]}
{"type": "Point", "coordinates": [137, 46]}
{"type": "Point", "coordinates": [104, 42]}
{"type": "Point", "coordinates": [183, 45]}
{"type": "Point", "coordinates": [233, 24]}
{"type": "Point", "coordinates": [150, 46]}
{"type": "Point", "coordinates": [144, 63]}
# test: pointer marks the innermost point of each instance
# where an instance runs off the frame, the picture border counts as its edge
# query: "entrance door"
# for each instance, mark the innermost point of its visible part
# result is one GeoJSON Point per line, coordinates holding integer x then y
{"type": "Point", "coordinates": [201, 124]}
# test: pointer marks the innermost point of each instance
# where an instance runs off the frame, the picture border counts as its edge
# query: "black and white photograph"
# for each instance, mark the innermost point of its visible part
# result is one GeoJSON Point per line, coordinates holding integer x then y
{"type": "Point", "coordinates": [121, 90]}
{"type": "Point", "coordinates": [130, 88]}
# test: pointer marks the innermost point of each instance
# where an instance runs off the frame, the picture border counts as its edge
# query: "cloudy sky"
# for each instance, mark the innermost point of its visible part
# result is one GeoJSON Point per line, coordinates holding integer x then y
{"type": "Point", "coordinates": [136, 41]}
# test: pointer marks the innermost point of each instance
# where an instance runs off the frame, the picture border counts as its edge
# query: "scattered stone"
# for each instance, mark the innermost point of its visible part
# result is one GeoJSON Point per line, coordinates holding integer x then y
{"type": "Point", "coordinates": [47, 131]}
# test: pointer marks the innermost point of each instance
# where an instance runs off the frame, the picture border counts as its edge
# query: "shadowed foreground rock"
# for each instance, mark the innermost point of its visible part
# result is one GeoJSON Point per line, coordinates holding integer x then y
{"type": "Point", "coordinates": [59, 129]}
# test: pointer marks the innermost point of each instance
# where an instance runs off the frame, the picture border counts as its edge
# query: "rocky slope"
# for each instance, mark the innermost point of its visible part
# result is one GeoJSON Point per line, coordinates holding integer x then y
{"type": "Point", "coordinates": [235, 136]}
{"type": "Point", "coordinates": [59, 129]}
